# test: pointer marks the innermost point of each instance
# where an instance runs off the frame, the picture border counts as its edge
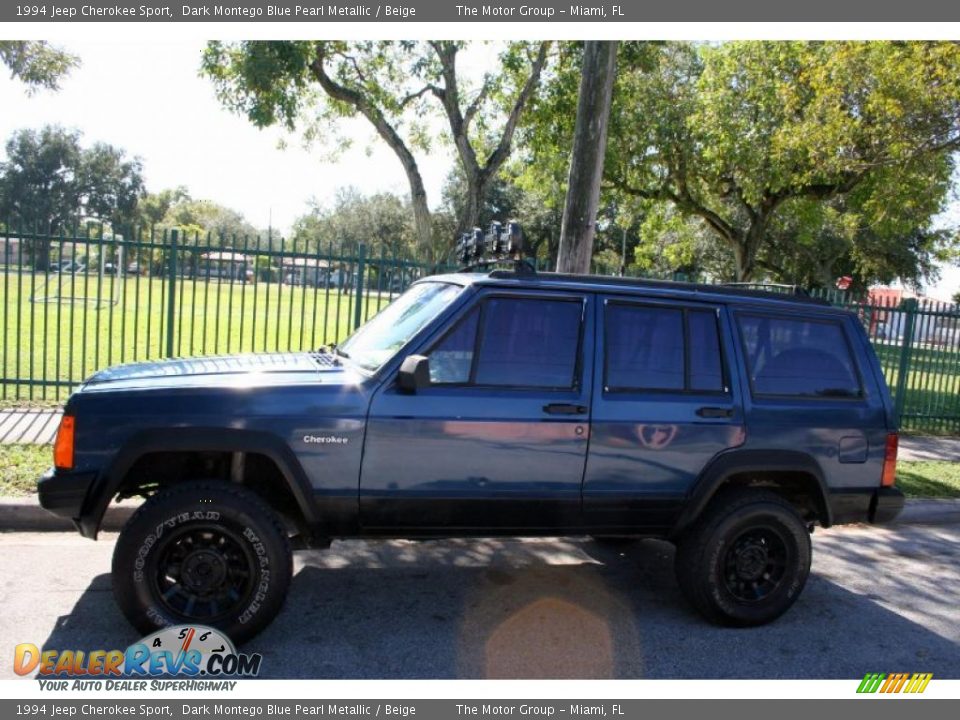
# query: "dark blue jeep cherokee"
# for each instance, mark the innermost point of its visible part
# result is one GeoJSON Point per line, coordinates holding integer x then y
{"type": "Point", "coordinates": [728, 421]}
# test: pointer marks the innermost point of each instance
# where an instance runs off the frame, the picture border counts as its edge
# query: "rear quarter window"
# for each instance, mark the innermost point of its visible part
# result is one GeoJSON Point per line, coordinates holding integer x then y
{"type": "Point", "coordinates": [788, 357]}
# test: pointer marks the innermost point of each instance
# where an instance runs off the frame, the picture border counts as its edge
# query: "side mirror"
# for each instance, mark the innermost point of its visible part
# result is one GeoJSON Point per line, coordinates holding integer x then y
{"type": "Point", "coordinates": [414, 374]}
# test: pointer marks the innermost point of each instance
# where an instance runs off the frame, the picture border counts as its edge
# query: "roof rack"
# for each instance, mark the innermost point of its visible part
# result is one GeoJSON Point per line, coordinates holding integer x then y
{"type": "Point", "coordinates": [781, 288]}
{"type": "Point", "coordinates": [731, 289]}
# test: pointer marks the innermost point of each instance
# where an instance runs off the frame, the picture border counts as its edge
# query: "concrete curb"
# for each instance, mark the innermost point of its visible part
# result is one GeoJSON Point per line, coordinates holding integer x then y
{"type": "Point", "coordinates": [25, 513]}
{"type": "Point", "coordinates": [929, 512]}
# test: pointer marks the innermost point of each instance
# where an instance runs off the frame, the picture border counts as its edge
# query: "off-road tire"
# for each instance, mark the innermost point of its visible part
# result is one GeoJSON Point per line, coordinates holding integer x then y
{"type": "Point", "coordinates": [209, 540]}
{"type": "Point", "coordinates": [740, 530]}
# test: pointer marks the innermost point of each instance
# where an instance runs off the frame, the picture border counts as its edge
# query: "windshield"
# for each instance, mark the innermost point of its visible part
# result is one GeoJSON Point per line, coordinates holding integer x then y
{"type": "Point", "coordinates": [380, 339]}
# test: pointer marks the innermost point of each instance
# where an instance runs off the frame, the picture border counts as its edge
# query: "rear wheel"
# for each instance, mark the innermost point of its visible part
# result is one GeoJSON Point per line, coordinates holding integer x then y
{"type": "Point", "coordinates": [746, 560]}
{"type": "Point", "coordinates": [202, 552]}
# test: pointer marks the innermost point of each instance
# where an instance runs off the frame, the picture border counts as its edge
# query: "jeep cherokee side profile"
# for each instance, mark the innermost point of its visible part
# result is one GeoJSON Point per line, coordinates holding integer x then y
{"type": "Point", "coordinates": [727, 421]}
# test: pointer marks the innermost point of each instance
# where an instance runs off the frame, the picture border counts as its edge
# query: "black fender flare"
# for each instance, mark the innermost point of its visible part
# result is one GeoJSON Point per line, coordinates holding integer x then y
{"type": "Point", "coordinates": [734, 462]}
{"type": "Point", "coordinates": [193, 439]}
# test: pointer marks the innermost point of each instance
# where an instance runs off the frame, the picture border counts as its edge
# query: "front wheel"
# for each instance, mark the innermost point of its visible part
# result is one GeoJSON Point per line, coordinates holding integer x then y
{"type": "Point", "coordinates": [202, 552]}
{"type": "Point", "coordinates": [746, 560]}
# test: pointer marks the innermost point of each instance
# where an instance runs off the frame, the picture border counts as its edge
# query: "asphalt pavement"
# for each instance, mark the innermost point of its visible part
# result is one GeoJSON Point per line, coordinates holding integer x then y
{"type": "Point", "coordinates": [878, 600]}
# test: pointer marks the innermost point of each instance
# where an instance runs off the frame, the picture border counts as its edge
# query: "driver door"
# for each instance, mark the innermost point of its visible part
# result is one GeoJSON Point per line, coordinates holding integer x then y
{"type": "Point", "coordinates": [498, 441]}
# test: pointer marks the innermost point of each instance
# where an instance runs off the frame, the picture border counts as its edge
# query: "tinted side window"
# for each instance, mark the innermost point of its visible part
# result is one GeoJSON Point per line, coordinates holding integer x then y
{"type": "Point", "coordinates": [644, 347]}
{"type": "Point", "coordinates": [798, 358]}
{"type": "Point", "coordinates": [529, 342]}
{"type": "Point", "coordinates": [662, 348]}
{"type": "Point", "coordinates": [452, 358]}
{"type": "Point", "coordinates": [706, 361]}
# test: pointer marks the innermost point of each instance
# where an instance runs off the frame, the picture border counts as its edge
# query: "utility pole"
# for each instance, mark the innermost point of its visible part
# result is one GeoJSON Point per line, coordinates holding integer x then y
{"type": "Point", "coordinates": [586, 159]}
{"type": "Point", "coordinates": [623, 253]}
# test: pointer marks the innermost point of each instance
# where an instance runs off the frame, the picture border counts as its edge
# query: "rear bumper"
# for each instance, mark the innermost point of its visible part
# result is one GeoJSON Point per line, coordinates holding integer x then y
{"type": "Point", "coordinates": [887, 504]}
{"type": "Point", "coordinates": [874, 505]}
{"type": "Point", "coordinates": [63, 493]}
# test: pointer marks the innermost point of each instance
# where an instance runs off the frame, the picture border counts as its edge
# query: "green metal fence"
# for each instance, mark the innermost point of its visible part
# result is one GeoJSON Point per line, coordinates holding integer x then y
{"type": "Point", "coordinates": [76, 303]}
{"type": "Point", "coordinates": [918, 345]}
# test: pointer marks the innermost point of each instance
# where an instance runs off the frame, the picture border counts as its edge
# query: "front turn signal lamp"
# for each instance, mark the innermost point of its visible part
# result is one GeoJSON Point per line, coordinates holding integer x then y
{"type": "Point", "coordinates": [63, 446]}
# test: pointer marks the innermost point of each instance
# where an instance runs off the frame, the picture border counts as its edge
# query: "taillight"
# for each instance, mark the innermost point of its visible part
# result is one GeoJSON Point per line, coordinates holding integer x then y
{"type": "Point", "coordinates": [889, 475]}
{"type": "Point", "coordinates": [63, 447]}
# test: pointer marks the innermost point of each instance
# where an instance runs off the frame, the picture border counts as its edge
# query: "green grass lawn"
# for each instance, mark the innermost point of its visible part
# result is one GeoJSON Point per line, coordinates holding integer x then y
{"type": "Point", "coordinates": [924, 478]}
{"type": "Point", "coordinates": [21, 465]}
{"type": "Point", "coordinates": [125, 320]}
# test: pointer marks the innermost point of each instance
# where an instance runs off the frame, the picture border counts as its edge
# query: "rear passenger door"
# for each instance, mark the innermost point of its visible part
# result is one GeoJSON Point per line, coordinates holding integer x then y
{"type": "Point", "coordinates": [665, 402]}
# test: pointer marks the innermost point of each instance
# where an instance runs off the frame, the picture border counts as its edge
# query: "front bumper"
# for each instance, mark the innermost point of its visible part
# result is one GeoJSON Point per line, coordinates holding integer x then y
{"type": "Point", "coordinates": [63, 493]}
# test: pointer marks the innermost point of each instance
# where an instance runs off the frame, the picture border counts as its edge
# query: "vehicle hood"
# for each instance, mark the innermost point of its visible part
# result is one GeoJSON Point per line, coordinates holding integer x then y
{"type": "Point", "coordinates": [247, 370]}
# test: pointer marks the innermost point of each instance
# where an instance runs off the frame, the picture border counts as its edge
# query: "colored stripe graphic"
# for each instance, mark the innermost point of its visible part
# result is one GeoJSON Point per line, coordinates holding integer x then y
{"type": "Point", "coordinates": [870, 683]}
{"type": "Point", "coordinates": [894, 683]}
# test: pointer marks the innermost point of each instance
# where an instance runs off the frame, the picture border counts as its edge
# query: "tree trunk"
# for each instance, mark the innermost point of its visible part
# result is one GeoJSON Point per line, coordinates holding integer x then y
{"type": "Point", "coordinates": [422, 221]}
{"type": "Point", "coordinates": [749, 243]}
{"type": "Point", "coordinates": [578, 227]}
{"type": "Point", "coordinates": [418, 193]}
{"type": "Point", "coordinates": [473, 201]}
{"type": "Point", "coordinates": [478, 176]}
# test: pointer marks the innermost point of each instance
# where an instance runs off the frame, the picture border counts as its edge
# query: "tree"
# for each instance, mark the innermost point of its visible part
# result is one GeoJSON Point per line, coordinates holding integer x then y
{"type": "Point", "coordinates": [49, 183]}
{"type": "Point", "coordinates": [194, 218]}
{"type": "Point", "coordinates": [956, 298]}
{"type": "Point", "coordinates": [389, 84]}
{"type": "Point", "coordinates": [736, 134]}
{"type": "Point", "coordinates": [544, 140]}
{"type": "Point", "coordinates": [381, 221]}
{"type": "Point", "coordinates": [586, 157]}
{"type": "Point", "coordinates": [36, 63]}
{"type": "Point", "coordinates": [812, 243]}
{"type": "Point", "coordinates": [153, 207]}
{"type": "Point", "coordinates": [480, 174]}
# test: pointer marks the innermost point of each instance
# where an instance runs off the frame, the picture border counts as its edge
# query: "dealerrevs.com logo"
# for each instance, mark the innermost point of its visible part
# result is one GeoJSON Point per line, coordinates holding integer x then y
{"type": "Point", "coordinates": [187, 657]}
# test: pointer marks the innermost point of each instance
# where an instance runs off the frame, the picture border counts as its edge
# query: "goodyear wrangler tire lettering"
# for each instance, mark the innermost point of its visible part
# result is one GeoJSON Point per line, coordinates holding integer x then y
{"type": "Point", "coordinates": [227, 565]}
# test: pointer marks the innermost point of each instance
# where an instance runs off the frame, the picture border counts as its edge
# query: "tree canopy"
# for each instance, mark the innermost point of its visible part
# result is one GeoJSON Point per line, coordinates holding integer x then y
{"type": "Point", "coordinates": [50, 181]}
{"type": "Point", "coordinates": [844, 143]}
{"type": "Point", "coordinates": [382, 221]}
{"type": "Point", "coordinates": [800, 161]}
{"type": "Point", "coordinates": [36, 63]}
{"type": "Point", "coordinates": [396, 87]}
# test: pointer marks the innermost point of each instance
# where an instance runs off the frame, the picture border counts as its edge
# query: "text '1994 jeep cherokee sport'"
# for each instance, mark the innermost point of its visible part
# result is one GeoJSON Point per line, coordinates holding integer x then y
{"type": "Point", "coordinates": [726, 420]}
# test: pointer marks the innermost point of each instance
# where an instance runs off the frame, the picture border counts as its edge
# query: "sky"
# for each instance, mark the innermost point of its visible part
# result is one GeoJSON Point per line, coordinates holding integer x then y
{"type": "Point", "coordinates": [148, 98]}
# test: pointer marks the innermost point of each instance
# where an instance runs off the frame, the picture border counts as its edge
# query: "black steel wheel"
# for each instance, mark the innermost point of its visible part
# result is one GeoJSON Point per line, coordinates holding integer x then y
{"type": "Point", "coordinates": [204, 573]}
{"type": "Point", "coordinates": [755, 564]}
{"type": "Point", "coordinates": [746, 560]}
{"type": "Point", "coordinates": [210, 553]}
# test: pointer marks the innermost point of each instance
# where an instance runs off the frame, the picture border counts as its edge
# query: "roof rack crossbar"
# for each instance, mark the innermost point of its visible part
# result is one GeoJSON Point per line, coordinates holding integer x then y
{"type": "Point", "coordinates": [769, 287]}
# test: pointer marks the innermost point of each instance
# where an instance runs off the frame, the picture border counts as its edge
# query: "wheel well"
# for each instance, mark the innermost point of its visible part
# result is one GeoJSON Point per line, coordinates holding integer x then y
{"type": "Point", "coordinates": [156, 471]}
{"type": "Point", "coordinates": [801, 489]}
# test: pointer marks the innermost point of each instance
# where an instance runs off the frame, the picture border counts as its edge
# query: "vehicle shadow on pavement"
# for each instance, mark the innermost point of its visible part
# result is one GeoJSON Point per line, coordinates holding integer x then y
{"type": "Point", "coordinates": [548, 608]}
